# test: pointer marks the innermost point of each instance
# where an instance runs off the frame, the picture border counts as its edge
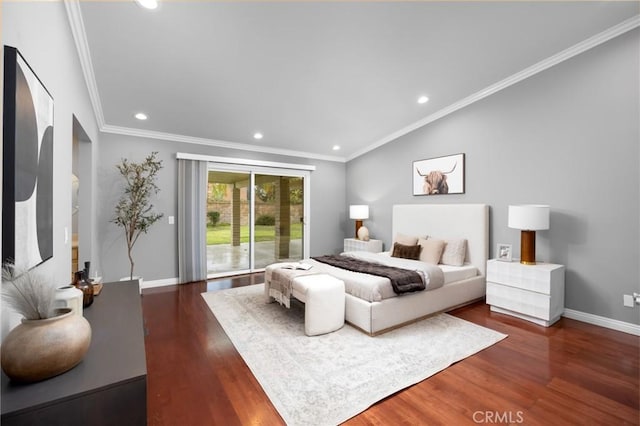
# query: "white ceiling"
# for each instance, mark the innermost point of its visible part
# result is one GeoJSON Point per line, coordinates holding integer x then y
{"type": "Point", "coordinates": [310, 75]}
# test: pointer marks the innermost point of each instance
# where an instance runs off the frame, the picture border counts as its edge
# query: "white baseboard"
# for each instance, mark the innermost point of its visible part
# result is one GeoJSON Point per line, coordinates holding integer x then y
{"type": "Point", "coordinates": [613, 324]}
{"type": "Point", "coordinates": [159, 283]}
{"type": "Point", "coordinates": [625, 327]}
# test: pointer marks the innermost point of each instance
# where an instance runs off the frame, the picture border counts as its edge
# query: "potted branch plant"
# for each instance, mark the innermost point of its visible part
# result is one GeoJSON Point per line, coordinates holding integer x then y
{"type": "Point", "coordinates": [134, 212]}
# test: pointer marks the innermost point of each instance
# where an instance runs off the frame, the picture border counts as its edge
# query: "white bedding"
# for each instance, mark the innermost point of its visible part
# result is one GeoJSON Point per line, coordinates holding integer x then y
{"type": "Point", "coordinates": [374, 288]}
{"type": "Point", "coordinates": [458, 273]}
{"type": "Point", "coordinates": [451, 273]}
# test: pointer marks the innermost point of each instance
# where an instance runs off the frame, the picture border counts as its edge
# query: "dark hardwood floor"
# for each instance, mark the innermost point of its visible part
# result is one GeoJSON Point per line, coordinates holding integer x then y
{"type": "Point", "coordinates": [572, 373]}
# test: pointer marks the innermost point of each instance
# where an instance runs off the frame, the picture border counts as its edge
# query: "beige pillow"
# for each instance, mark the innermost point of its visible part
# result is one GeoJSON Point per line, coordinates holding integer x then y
{"type": "Point", "coordinates": [455, 251]}
{"type": "Point", "coordinates": [405, 240]}
{"type": "Point", "coordinates": [406, 252]}
{"type": "Point", "coordinates": [431, 250]}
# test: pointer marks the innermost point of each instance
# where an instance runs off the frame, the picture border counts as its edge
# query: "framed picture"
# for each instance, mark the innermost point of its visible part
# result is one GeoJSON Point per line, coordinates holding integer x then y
{"type": "Point", "coordinates": [27, 165]}
{"type": "Point", "coordinates": [503, 252]}
{"type": "Point", "coordinates": [442, 175]}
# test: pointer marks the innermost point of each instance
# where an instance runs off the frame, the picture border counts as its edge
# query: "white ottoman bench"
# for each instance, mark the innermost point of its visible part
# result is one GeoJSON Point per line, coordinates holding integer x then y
{"type": "Point", "coordinates": [324, 299]}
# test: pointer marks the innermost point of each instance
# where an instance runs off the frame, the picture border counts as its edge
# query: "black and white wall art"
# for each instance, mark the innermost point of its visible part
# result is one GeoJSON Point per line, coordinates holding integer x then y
{"type": "Point", "coordinates": [441, 175]}
{"type": "Point", "coordinates": [27, 191]}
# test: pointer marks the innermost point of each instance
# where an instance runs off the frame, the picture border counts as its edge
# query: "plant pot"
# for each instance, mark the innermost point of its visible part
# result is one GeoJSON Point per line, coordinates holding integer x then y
{"type": "Point", "coordinates": [39, 349]}
{"type": "Point", "coordinates": [135, 278]}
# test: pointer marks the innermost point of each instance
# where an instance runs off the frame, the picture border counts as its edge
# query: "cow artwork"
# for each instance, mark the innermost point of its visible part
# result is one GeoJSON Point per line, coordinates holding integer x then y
{"type": "Point", "coordinates": [435, 182]}
{"type": "Point", "coordinates": [441, 175]}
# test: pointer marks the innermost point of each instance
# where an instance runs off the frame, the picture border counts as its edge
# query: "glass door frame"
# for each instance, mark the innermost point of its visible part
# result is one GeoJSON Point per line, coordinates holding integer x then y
{"type": "Point", "coordinates": [254, 170]}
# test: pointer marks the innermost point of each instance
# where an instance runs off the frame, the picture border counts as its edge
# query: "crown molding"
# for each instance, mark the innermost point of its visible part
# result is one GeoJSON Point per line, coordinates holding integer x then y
{"type": "Point", "coordinates": [128, 131]}
{"type": "Point", "coordinates": [82, 46]}
{"type": "Point", "coordinates": [562, 56]}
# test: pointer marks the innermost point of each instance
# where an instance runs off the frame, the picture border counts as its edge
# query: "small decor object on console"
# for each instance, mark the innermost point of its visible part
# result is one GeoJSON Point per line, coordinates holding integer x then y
{"type": "Point", "coordinates": [71, 297]}
{"type": "Point", "coordinates": [97, 286]}
{"type": "Point", "coordinates": [49, 341]}
{"type": "Point", "coordinates": [503, 252]}
{"type": "Point", "coordinates": [83, 285]}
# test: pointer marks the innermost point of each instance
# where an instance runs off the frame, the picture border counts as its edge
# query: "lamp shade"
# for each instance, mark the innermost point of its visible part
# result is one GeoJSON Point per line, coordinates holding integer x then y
{"type": "Point", "coordinates": [529, 217]}
{"type": "Point", "coordinates": [359, 212]}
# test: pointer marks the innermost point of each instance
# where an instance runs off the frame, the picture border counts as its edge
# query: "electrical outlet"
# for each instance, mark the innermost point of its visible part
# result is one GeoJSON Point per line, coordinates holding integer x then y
{"type": "Point", "coordinates": [628, 300]}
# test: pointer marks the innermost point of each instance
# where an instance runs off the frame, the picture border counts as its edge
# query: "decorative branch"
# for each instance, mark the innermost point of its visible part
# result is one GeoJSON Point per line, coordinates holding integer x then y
{"type": "Point", "coordinates": [27, 292]}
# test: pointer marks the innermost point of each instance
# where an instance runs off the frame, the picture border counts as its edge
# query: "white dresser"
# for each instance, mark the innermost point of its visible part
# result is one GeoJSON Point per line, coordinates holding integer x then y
{"type": "Point", "coordinates": [531, 292]}
{"type": "Point", "coordinates": [352, 244]}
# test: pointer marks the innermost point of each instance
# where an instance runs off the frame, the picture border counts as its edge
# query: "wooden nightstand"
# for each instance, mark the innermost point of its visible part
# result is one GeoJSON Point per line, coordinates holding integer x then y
{"type": "Point", "coordinates": [352, 244]}
{"type": "Point", "coordinates": [531, 292]}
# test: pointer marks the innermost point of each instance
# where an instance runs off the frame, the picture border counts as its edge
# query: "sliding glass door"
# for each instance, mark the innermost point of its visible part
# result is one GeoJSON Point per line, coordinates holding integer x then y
{"type": "Point", "coordinates": [255, 217]}
{"type": "Point", "coordinates": [228, 217]}
{"type": "Point", "coordinates": [279, 223]}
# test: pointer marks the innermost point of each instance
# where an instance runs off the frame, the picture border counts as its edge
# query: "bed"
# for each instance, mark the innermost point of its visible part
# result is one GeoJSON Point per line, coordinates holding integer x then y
{"type": "Point", "coordinates": [375, 313]}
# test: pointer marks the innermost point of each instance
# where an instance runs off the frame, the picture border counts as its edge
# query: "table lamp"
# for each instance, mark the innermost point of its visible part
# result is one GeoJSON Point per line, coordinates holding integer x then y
{"type": "Point", "coordinates": [358, 212]}
{"type": "Point", "coordinates": [529, 218]}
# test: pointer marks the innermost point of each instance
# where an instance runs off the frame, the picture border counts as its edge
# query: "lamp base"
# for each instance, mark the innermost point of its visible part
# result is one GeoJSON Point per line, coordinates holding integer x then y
{"type": "Point", "coordinates": [358, 225]}
{"type": "Point", "coordinates": [528, 247]}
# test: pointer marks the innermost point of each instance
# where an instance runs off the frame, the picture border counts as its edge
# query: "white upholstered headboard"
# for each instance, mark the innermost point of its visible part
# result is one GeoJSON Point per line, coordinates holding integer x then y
{"type": "Point", "coordinates": [444, 221]}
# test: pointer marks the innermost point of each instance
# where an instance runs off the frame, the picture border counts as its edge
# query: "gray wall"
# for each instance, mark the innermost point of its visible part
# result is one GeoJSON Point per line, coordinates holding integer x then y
{"type": "Point", "coordinates": [40, 31]}
{"type": "Point", "coordinates": [567, 137]}
{"type": "Point", "coordinates": [156, 253]}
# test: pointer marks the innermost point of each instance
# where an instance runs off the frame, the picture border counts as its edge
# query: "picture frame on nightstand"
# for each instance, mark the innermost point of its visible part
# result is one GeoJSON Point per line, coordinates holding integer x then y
{"type": "Point", "coordinates": [503, 252]}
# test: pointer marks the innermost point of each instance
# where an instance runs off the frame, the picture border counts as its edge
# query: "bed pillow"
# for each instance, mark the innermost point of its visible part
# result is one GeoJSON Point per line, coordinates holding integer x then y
{"type": "Point", "coordinates": [431, 250]}
{"type": "Point", "coordinates": [406, 252]}
{"type": "Point", "coordinates": [455, 251]}
{"type": "Point", "coordinates": [405, 240]}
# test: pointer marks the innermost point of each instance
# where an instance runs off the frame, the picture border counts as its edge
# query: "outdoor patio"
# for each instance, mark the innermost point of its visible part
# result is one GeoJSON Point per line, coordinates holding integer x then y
{"type": "Point", "coordinates": [222, 258]}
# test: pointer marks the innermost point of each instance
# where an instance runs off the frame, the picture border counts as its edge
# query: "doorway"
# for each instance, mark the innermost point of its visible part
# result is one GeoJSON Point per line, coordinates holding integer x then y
{"type": "Point", "coordinates": [255, 217]}
{"type": "Point", "coordinates": [81, 196]}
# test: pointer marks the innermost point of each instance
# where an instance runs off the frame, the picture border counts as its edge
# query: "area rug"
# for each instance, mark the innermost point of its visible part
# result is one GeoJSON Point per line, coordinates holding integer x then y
{"type": "Point", "coordinates": [325, 380]}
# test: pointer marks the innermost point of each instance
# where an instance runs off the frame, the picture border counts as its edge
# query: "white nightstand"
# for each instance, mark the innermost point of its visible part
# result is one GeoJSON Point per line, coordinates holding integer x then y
{"type": "Point", "coordinates": [352, 244]}
{"type": "Point", "coordinates": [531, 292]}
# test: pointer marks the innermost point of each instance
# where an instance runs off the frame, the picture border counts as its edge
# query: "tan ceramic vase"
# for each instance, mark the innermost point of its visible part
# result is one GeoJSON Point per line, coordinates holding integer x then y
{"type": "Point", "coordinates": [39, 349]}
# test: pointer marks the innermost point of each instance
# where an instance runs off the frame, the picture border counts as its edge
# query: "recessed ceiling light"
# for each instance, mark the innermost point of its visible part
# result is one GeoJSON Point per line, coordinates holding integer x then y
{"type": "Point", "coordinates": [336, 148]}
{"type": "Point", "coordinates": [148, 4]}
{"type": "Point", "coordinates": [423, 99]}
{"type": "Point", "coordinates": [257, 135]}
{"type": "Point", "coordinates": [141, 116]}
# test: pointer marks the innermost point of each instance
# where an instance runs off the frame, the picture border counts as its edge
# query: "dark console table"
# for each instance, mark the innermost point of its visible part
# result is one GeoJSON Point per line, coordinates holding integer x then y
{"type": "Point", "coordinates": [109, 386]}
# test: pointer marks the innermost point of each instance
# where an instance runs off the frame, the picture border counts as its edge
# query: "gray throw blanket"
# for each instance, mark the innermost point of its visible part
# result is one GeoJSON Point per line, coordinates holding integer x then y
{"type": "Point", "coordinates": [402, 280]}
